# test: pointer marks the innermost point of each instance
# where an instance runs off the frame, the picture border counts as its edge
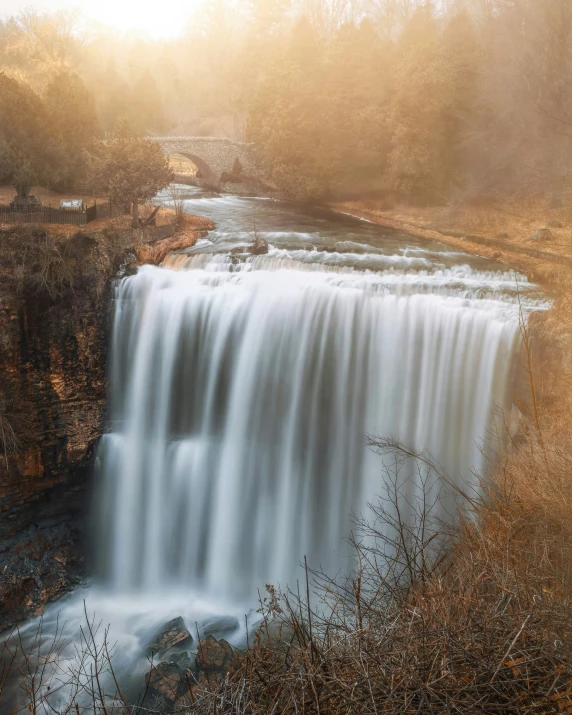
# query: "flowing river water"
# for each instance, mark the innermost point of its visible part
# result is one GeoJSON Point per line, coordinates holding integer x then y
{"type": "Point", "coordinates": [242, 389]}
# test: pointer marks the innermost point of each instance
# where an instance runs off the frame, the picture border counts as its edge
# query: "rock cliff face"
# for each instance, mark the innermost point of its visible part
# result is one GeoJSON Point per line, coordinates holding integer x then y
{"type": "Point", "coordinates": [55, 295]}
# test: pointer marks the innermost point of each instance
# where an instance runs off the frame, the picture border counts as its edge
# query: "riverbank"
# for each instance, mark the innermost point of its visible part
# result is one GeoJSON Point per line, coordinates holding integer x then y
{"type": "Point", "coordinates": [238, 185]}
{"type": "Point", "coordinates": [531, 237]}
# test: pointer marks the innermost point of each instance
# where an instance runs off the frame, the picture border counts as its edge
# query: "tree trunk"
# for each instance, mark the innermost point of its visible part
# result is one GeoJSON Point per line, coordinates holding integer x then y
{"type": "Point", "coordinates": [135, 207]}
{"type": "Point", "coordinates": [557, 193]}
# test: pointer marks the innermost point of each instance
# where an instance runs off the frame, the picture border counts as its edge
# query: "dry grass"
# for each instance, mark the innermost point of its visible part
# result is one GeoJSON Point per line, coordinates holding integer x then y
{"type": "Point", "coordinates": [472, 618]}
{"type": "Point", "coordinates": [480, 626]}
{"type": "Point", "coordinates": [9, 443]}
{"type": "Point", "coordinates": [187, 229]}
{"type": "Point", "coordinates": [57, 260]}
{"type": "Point", "coordinates": [498, 228]}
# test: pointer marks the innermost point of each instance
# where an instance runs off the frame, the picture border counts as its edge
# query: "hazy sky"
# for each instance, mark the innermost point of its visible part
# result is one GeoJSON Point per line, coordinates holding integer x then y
{"type": "Point", "coordinates": [157, 18]}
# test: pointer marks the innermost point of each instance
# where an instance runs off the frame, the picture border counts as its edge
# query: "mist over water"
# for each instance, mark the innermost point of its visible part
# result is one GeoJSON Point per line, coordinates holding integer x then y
{"type": "Point", "coordinates": [241, 392]}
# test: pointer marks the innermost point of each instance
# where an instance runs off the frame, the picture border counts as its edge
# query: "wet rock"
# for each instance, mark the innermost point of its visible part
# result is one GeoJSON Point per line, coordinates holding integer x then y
{"type": "Point", "coordinates": [171, 634]}
{"type": "Point", "coordinates": [183, 661]}
{"type": "Point", "coordinates": [555, 224]}
{"type": "Point", "coordinates": [179, 681]}
{"type": "Point", "coordinates": [219, 627]}
{"type": "Point", "coordinates": [38, 566]}
{"type": "Point", "coordinates": [259, 246]}
{"type": "Point", "coordinates": [543, 234]}
{"type": "Point", "coordinates": [215, 656]}
{"type": "Point", "coordinates": [166, 682]}
{"type": "Point", "coordinates": [54, 387]}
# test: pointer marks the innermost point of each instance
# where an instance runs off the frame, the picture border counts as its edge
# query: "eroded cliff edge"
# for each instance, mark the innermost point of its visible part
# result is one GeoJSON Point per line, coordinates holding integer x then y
{"type": "Point", "coordinates": [56, 286]}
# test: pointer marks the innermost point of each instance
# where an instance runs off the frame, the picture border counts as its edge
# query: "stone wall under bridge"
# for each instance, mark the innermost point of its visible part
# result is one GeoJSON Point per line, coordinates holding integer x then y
{"type": "Point", "coordinates": [213, 156]}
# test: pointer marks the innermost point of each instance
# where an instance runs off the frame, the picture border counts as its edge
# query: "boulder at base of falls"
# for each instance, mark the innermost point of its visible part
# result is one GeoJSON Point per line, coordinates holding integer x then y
{"type": "Point", "coordinates": [215, 657]}
{"type": "Point", "coordinates": [166, 683]}
{"type": "Point", "coordinates": [543, 234]}
{"type": "Point", "coordinates": [178, 681]}
{"type": "Point", "coordinates": [171, 634]}
{"type": "Point", "coordinates": [259, 246]}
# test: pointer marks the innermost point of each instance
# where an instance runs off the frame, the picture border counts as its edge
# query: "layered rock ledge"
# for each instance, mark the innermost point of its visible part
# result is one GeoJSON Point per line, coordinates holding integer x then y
{"type": "Point", "coordinates": [56, 287]}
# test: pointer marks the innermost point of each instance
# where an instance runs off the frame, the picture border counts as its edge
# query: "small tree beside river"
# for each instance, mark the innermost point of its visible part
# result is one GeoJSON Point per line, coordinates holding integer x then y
{"type": "Point", "coordinates": [133, 169]}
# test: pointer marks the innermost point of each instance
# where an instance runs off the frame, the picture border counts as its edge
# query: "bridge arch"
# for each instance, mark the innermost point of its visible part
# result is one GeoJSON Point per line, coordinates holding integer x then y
{"type": "Point", "coordinates": [205, 170]}
{"type": "Point", "coordinates": [213, 156]}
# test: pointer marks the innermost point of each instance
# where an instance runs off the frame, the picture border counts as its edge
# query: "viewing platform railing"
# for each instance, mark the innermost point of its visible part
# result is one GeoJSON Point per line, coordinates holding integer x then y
{"type": "Point", "coordinates": [50, 214]}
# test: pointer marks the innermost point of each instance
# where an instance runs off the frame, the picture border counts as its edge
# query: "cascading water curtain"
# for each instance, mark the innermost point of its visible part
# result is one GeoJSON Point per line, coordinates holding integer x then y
{"type": "Point", "coordinates": [240, 403]}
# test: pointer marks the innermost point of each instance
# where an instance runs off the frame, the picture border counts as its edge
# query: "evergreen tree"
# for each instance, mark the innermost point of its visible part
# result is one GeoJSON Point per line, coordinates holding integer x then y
{"type": "Point", "coordinates": [115, 101]}
{"type": "Point", "coordinates": [75, 124]}
{"type": "Point", "coordinates": [288, 121]}
{"type": "Point", "coordinates": [359, 67]}
{"type": "Point", "coordinates": [415, 110]}
{"type": "Point", "coordinates": [432, 98]}
{"type": "Point", "coordinates": [29, 153]}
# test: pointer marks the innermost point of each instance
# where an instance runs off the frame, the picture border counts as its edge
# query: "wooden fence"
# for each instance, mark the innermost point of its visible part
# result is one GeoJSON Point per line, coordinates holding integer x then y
{"type": "Point", "coordinates": [49, 214]}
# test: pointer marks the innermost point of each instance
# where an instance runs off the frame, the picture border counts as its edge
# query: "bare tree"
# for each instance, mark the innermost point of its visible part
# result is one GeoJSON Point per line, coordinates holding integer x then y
{"type": "Point", "coordinates": [390, 16]}
{"type": "Point", "coordinates": [55, 39]}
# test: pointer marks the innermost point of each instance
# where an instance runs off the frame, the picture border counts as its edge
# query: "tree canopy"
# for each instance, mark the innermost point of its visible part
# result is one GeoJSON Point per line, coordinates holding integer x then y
{"type": "Point", "coordinates": [419, 98]}
{"type": "Point", "coordinates": [28, 153]}
{"type": "Point", "coordinates": [132, 168]}
{"type": "Point", "coordinates": [74, 123]}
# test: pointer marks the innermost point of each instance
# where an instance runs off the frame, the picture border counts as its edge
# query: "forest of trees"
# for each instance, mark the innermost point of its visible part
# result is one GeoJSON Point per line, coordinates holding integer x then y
{"type": "Point", "coordinates": [55, 140]}
{"type": "Point", "coordinates": [428, 100]}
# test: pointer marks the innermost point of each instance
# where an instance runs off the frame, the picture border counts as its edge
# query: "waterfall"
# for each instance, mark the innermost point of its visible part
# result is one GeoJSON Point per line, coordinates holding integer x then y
{"type": "Point", "coordinates": [241, 393]}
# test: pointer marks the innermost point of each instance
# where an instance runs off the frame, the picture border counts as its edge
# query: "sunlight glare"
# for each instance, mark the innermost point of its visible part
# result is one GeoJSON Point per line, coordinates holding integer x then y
{"type": "Point", "coordinates": [148, 18]}
{"type": "Point", "coordinates": [164, 19]}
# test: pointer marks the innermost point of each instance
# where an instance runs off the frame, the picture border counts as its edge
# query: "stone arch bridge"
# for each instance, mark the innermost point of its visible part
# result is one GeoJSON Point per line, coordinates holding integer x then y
{"type": "Point", "coordinates": [213, 156]}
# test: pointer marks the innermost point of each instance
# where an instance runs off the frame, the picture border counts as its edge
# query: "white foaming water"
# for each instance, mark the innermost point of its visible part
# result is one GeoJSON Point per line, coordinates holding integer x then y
{"type": "Point", "coordinates": [241, 394]}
